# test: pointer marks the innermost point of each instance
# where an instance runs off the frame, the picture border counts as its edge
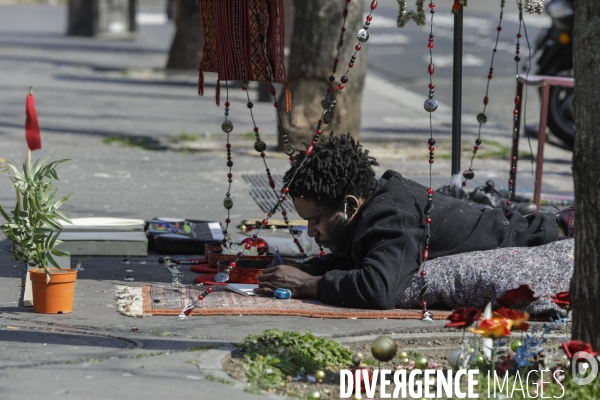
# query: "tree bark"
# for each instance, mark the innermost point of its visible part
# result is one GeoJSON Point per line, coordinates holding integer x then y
{"type": "Point", "coordinates": [316, 32]}
{"type": "Point", "coordinates": [585, 285]}
{"type": "Point", "coordinates": [187, 43]}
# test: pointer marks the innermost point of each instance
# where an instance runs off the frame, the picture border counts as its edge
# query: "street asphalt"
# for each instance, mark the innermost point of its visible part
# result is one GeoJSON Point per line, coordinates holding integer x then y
{"type": "Point", "coordinates": [93, 94]}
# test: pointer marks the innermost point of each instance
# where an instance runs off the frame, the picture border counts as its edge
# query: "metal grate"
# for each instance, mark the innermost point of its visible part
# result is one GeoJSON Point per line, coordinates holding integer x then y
{"type": "Point", "coordinates": [262, 193]}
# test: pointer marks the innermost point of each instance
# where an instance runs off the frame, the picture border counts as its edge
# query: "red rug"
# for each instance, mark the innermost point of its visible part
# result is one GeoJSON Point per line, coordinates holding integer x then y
{"type": "Point", "coordinates": [170, 300]}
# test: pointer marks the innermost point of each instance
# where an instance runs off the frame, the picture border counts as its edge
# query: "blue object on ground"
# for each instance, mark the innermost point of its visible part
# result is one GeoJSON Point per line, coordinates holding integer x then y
{"type": "Point", "coordinates": [282, 294]}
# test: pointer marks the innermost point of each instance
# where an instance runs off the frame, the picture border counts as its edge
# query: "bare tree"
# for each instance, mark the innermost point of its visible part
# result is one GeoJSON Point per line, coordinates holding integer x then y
{"type": "Point", "coordinates": [187, 42]}
{"type": "Point", "coordinates": [316, 32]}
{"type": "Point", "coordinates": [585, 285]}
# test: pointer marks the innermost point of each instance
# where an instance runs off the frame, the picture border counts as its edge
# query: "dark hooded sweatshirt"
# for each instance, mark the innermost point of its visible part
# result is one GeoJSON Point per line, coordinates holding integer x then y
{"type": "Point", "coordinates": [388, 234]}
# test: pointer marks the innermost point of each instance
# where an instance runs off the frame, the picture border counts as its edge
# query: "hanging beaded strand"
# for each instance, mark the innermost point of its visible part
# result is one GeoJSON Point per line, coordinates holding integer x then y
{"type": "Point", "coordinates": [325, 103]}
{"type": "Point", "coordinates": [430, 106]}
{"type": "Point", "coordinates": [227, 127]}
{"type": "Point", "coordinates": [362, 36]}
{"type": "Point", "coordinates": [481, 117]}
{"type": "Point", "coordinates": [516, 119]}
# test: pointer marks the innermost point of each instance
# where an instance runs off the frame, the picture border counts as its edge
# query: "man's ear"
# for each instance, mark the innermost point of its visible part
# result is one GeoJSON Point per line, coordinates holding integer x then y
{"type": "Point", "coordinates": [353, 205]}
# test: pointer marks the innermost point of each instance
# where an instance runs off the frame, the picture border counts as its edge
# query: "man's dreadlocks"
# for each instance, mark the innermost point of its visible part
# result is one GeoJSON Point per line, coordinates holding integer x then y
{"type": "Point", "coordinates": [337, 167]}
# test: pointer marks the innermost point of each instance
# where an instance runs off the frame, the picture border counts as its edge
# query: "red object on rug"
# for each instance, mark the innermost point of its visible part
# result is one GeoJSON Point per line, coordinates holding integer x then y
{"type": "Point", "coordinates": [243, 41]}
{"type": "Point", "coordinates": [203, 269]}
{"type": "Point", "coordinates": [208, 279]}
{"type": "Point", "coordinates": [32, 127]}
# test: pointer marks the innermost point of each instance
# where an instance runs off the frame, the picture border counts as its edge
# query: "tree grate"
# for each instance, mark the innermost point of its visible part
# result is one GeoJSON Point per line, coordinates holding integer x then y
{"type": "Point", "coordinates": [263, 195]}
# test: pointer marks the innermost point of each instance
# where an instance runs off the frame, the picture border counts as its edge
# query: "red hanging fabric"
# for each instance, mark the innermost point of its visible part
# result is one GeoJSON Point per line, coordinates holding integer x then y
{"type": "Point", "coordinates": [32, 128]}
{"type": "Point", "coordinates": [243, 41]}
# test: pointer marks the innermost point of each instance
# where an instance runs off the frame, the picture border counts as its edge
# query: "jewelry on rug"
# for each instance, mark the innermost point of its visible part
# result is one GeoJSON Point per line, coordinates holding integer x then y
{"type": "Point", "coordinates": [513, 160]}
{"type": "Point", "coordinates": [430, 106]}
{"type": "Point", "coordinates": [534, 6]}
{"type": "Point", "coordinates": [482, 117]}
{"type": "Point", "coordinates": [405, 16]}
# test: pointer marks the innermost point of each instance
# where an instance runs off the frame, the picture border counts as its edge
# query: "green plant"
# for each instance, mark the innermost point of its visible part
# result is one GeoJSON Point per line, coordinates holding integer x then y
{"type": "Point", "coordinates": [275, 354]}
{"type": "Point", "coordinates": [34, 226]}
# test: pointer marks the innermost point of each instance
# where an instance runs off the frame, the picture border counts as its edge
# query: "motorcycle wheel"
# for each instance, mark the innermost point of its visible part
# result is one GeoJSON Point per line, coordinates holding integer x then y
{"type": "Point", "coordinates": [561, 116]}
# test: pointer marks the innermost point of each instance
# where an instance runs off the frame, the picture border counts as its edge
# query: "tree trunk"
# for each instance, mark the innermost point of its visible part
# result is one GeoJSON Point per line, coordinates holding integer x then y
{"type": "Point", "coordinates": [317, 25]}
{"type": "Point", "coordinates": [585, 285]}
{"type": "Point", "coordinates": [186, 47]}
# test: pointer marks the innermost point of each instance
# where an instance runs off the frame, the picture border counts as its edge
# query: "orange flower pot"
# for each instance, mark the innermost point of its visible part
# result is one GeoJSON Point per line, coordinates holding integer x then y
{"type": "Point", "coordinates": [56, 296]}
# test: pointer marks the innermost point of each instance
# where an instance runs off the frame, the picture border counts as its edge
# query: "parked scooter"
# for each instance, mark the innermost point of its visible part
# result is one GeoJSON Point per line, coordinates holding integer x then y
{"type": "Point", "coordinates": [556, 59]}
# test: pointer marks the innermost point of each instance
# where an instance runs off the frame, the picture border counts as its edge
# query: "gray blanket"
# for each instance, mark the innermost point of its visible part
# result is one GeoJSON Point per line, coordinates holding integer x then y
{"type": "Point", "coordinates": [474, 279]}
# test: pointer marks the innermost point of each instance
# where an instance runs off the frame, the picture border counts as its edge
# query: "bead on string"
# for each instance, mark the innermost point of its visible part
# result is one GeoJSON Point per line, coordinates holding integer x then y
{"type": "Point", "coordinates": [482, 117]}
{"type": "Point", "coordinates": [517, 101]}
{"type": "Point", "coordinates": [430, 106]}
{"type": "Point", "coordinates": [227, 127]}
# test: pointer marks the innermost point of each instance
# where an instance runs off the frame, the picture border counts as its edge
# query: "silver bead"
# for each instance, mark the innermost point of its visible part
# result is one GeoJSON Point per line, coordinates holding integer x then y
{"type": "Point", "coordinates": [327, 117]}
{"type": "Point", "coordinates": [325, 104]}
{"type": "Point", "coordinates": [534, 6]}
{"type": "Point", "coordinates": [362, 35]}
{"type": "Point", "coordinates": [289, 149]}
{"type": "Point", "coordinates": [228, 203]}
{"type": "Point", "coordinates": [427, 317]}
{"type": "Point", "coordinates": [260, 146]}
{"type": "Point", "coordinates": [227, 126]}
{"type": "Point", "coordinates": [481, 118]}
{"type": "Point", "coordinates": [430, 105]}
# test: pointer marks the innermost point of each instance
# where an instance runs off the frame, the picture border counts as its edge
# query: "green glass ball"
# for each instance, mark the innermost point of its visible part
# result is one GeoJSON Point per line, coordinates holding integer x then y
{"type": "Point", "coordinates": [313, 395]}
{"type": "Point", "coordinates": [421, 363]}
{"type": "Point", "coordinates": [404, 360]}
{"type": "Point", "coordinates": [515, 345]}
{"type": "Point", "coordinates": [480, 360]}
{"type": "Point", "coordinates": [384, 348]}
{"type": "Point", "coordinates": [356, 360]}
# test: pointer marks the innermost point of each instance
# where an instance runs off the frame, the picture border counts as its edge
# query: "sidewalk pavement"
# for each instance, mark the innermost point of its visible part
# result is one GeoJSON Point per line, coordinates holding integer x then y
{"type": "Point", "coordinates": [88, 91]}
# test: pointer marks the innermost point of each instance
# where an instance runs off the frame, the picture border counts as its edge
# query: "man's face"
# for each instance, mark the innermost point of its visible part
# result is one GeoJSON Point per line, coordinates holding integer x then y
{"type": "Point", "coordinates": [328, 228]}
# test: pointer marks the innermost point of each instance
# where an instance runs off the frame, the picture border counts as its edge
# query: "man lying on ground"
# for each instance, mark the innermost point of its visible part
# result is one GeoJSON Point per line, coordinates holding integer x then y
{"type": "Point", "coordinates": [376, 229]}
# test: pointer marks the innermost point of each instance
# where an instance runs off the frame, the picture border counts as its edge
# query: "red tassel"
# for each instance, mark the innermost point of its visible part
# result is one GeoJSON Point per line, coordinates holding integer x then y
{"type": "Point", "coordinates": [288, 98]}
{"type": "Point", "coordinates": [200, 83]}
{"type": "Point", "coordinates": [218, 93]}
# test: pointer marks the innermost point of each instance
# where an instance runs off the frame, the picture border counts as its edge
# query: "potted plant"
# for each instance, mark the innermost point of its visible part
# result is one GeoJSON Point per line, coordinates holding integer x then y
{"type": "Point", "coordinates": [33, 227]}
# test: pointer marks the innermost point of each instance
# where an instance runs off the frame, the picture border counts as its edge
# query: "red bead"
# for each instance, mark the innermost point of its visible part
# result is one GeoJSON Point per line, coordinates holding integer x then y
{"type": "Point", "coordinates": [423, 272]}
{"type": "Point", "coordinates": [295, 240]}
{"type": "Point", "coordinates": [369, 18]}
{"type": "Point", "coordinates": [309, 151]}
{"type": "Point", "coordinates": [336, 60]}
{"type": "Point", "coordinates": [228, 158]}
{"type": "Point", "coordinates": [322, 253]}
{"type": "Point", "coordinates": [283, 198]}
{"type": "Point", "coordinates": [350, 65]}
{"type": "Point", "coordinates": [431, 86]}
{"type": "Point", "coordinates": [508, 203]}
{"type": "Point", "coordinates": [345, 13]}
{"type": "Point", "coordinates": [430, 161]}
{"type": "Point", "coordinates": [343, 29]}
{"type": "Point", "coordinates": [464, 183]}
{"type": "Point", "coordinates": [226, 104]}
{"type": "Point", "coordinates": [511, 182]}
{"type": "Point", "coordinates": [516, 112]}
{"type": "Point", "coordinates": [517, 52]}
{"type": "Point", "coordinates": [286, 190]}
{"type": "Point", "coordinates": [291, 158]}
{"type": "Point", "coordinates": [430, 40]}
{"type": "Point", "coordinates": [334, 70]}
{"type": "Point", "coordinates": [357, 47]}
{"type": "Point", "coordinates": [256, 129]}
{"type": "Point", "coordinates": [430, 69]}
{"type": "Point", "coordinates": [209, 290]}
{"type": "Point", "coordinates": [513, 171]}
{"type": "Point", "coordinates": [262, 155]}
{"type": "Point", "coordinates": [425, 257]}
{"type": "Point", "coordinates": [344, 79]}
{"type": "Point", "coordinates": [490, 76]}
{"type": "Point", "coordinates": [227, 221]}
{"type": "Point", "coordinates": [499, 28]}
{"type": "Point", "coordinates": [423, 303]}
{"type": "Point", "coordinates": [431, 141]}
{"type": "Point", "coordinates": [432, 5]}
{"type": "Point", "coordinates": [424, 310]}
{"type": "Point", "coordinates": [429, 191]}
{"type": "Point", "coordinates": [430, 46]}
{"type": "Point", "coordinates": [272, 90]}
{"type": "Point", "coordinates": [373, 4]}
{"type": "Point", "coordinates": [247, 246]}
{"type": "Point", "coordinates": [340, 87]}
{"type": "Point", "coordinates": [271, 183]}
{"type": "Point", "coordinates": [514, 158]}
{"type": "Point", "coordinates": [228, 146]}
{"type": "Point", "coordinates": [475, 148]}
{"type": "Point", "coordinates": [313, 143]}
{"type": "Point", "coordinates": [232, 264]}
{"type": "Point", "coordinates": [229, 176]}
{"type": "Point", "coordinates": [519, 35]}
{"type": "Point", "coordinates": [328, 90]}
{"type": "Point", "coordinates": [485, 101]}
{"type": "Point", "coordinates": [428, 221]}
{"type": "Point", "coordinates": [276, 105]}
{"type": "Point", "coordinates": [284, 213]}
{"type": "Point", "coordinates": [200, 297]}
{"type": "Point", "coordinates": [320, 122]}
{"type": "Point", "coordinates": [431, 148]}
{"type": "Point", "coordinates": [517, 100]}
{"type": "Point", "coordinates": [319, 132]}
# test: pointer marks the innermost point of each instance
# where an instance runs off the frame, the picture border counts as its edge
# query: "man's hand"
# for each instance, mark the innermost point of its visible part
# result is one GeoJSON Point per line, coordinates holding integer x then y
{"type": "Point", "coordinates": [289, 277]}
